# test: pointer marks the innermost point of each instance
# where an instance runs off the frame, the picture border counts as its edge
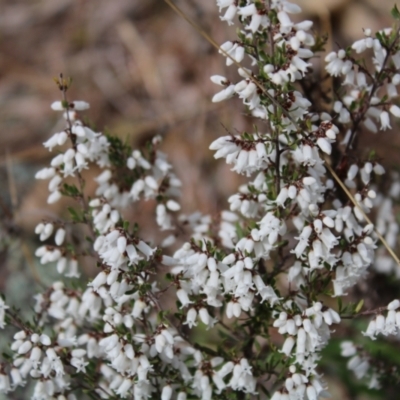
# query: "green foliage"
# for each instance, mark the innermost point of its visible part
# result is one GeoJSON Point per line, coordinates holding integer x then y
{"type": "Point", "coordinates": [119, 151]}
{"type": "Point", "coordinates": [349, 309]}
{"type": "Point", "coordinates": [70, 190]}
{"type": "Point", "coordinates": [395, 12]}
{"type": "Point", "coordinates": [76, 216]}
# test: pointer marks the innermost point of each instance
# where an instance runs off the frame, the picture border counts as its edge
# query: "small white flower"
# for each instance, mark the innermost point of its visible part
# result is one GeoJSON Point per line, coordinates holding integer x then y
{"type": "Point", "coordinates": [191, 318]}
{"type": "Point", "coordinates": [395, 110]}
{"type": "Point", "coordinates": [224, 94]}
{"type": "Point", "coordinates": [60, 236]}
{"type": "Point", "coordinates": [80, 105]}
{"type": "Point", "coordinates": [229, 14]}
{"type": "Point", "coordinates": [385, 120]}
{"type": "Point", "coordinates": [57, 106]}
{"type": "Point", "coordinates": [324, 145]}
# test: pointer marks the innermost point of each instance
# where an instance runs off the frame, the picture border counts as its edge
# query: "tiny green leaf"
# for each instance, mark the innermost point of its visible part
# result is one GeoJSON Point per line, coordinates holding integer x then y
{"type": "Point", "coordinates": [340, 305]}
{"type": "Point", "coordinates": [395, 12]}
{"type": "Point", "coordinates": [75, 216]}
{"type": "Point", "coordinates": [359, 306]}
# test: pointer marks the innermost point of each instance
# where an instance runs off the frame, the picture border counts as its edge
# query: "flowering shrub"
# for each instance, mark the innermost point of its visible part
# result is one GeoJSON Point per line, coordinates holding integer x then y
{"type": "Point", "coordinates": [266, 284]}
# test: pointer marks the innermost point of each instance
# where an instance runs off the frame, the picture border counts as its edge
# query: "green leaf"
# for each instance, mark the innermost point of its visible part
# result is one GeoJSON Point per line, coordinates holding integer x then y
{"type": "Point", "coordinates": [70, 190]}
{"type": "Point", "coordinates": [340, 305]}
{"type": "Point", "coordinates": [395, 12]}
{"type": "Point", "coordinates": [75, 216]}
{"type": "Point", "coordinates": [118, 151]}
{"type": "Point", "coordinates": [372, 155]}
{"type": "Point", "coordinates": [359, 306]}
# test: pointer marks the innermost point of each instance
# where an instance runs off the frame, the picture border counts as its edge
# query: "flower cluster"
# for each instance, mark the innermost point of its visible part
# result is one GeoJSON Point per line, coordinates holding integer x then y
{"type": "Point", "coordinates": [289, 160]}
{"type": "Point", "coordinates": [388, 325]}
{"type": "Point", "coordinates": [360, 364]}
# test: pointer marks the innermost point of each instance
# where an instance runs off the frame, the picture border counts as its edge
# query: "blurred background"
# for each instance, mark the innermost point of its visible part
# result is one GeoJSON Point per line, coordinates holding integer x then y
{"type": "Point", "coordinates": [145, 71]}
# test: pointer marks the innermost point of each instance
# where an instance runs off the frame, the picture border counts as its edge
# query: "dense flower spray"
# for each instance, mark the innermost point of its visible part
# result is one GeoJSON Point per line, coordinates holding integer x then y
{"type": "Point", "coordinates": [267, 279]}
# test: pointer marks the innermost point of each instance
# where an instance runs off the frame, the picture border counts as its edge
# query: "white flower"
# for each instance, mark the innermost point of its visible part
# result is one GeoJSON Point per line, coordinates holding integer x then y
{"type": "Point", "coordinates": [393, 305]}
{"type": "Point", "coordinates": [3, 308]}
{"type": "Point", "coordinates": [395, 110]}
{"type": "Point", "coordinates": [371, 330]}
{"type": "Point", "coordinates": [385, 120]}
{"type": "Point", "coordinates": [166, 393]}
{"type": "Point", "coordinates": [183, 297]}
{"type": "Point", "coordinates": [288, 346]}
{"type": "Point", "coordinates": [324, 145]}
{"type": "Point", "coordinates": [335, 63]}
{"type": "Point", "coordinates": [79, 105]}
{"type": "Point", "coordinates": [224, 94]}
{"type": "Point", "coordinates": [57, 106]}
{"type": "Point", "coordinates": [60, 236]}
{"type": "Point", "coordinates": [229, 14]}
{"type": "Point", "coordinates": [124, 387]}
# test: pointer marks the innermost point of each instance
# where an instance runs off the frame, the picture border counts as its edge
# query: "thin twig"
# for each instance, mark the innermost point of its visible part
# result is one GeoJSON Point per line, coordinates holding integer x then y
{"type": "Point", "coordinates": [376, 311]}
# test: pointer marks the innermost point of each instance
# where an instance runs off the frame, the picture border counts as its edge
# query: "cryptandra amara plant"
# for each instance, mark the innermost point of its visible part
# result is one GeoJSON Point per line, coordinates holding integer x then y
{"type": "Point", "coordinates": [266, 280]}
